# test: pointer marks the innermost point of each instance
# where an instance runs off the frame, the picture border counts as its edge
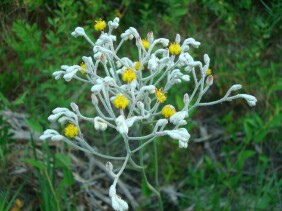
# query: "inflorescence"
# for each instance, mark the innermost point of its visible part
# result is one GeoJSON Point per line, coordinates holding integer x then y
{"type": "Point", "coordinates": [126, 91]}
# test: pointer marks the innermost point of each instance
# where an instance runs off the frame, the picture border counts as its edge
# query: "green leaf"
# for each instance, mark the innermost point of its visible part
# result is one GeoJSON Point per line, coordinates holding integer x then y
{"type": "Point", "coordinates": [20, 99]}
{"type": "Point", "coordinates": [246, 154]}
{"type": "Point", "coordinates": [35, 163]}
{"type": "Point", "coordinates": [4, 100]}
{"type": "Point", "coordinates": [62, 160]}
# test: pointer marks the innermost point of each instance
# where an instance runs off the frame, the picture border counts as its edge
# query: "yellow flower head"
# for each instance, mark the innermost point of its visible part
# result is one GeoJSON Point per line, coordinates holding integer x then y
{"type": "Point", "coordinates": [145, 43]}
{"type": "Point", "coordinates": [100, 25]}
{"type": "Point", "coordinates": [209, 71]}
{"type": "Point", "coordinates": [83, 66]}
{"type": "Point", "coordinates": [168, 111]}
{"type": "Point", "coordinates": [71, 131]}
{"type": "Point", "coordinates": [128, 75]}
{"type": "Point", "coordinates": [120, 101]}
{"type": "Point", "coordinates": [174, 49]}
{"type": "Point", "coordinates": [160, 95]}
{"type": "Point", "coordinates": [137, 66]}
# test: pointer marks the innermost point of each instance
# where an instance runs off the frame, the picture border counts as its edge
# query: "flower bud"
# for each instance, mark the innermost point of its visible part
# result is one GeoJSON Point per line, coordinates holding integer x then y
{"type": "Point", "coordinates": [74, 107]}
{"type": "Point", "coordinates": [150, 37]}
{"type": "Point", "coordinates": [121, 125]}
{"type": "Point", "coordinates": [109, 166]}
{"type": "Point", "coordinates": [209, 80]}
{"type": "Point", "coordinates": [235, 87]}
{"type": "Point", "coordinates": [206, 59]}
{"type": "Point", "coordinates": [94, 99]}
{"type": "Point", "coordinates": [79, 31]}
{"type": "Point", "coordinates": [186, 99]}
{"type": "Point", "coordinates": [112, 191]}
{"type": "Point", "coordinates": [162, 122]}
{"type": "Point", "coordinates": [177, 38]}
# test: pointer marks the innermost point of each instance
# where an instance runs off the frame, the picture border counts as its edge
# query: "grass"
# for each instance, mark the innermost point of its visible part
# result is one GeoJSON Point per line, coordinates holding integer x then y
{"type": "Point", "coordinates": [238, 167]}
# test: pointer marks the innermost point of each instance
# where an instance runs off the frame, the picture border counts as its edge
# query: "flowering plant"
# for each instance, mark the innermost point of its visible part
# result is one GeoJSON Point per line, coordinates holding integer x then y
{"type": "Point", "coordinates": [128, 92]}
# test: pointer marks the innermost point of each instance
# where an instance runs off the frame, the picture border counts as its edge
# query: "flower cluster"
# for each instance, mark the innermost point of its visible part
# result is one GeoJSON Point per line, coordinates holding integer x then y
{"type": "Point", "coordinates": [127, 92]}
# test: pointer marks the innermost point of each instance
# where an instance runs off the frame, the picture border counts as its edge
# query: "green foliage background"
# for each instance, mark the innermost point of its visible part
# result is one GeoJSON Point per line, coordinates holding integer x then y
{"type": "Point", "coordinates": [243, 40]}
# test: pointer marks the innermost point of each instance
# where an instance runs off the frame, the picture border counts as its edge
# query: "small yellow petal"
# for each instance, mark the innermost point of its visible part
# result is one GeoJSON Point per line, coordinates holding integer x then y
{"type": "Point", "coordinates": [145, 43]}
{"type": "Point", "coordinates": [71, 131]}
{"type": "Point", "coordinates": [128, 75]}
{"type": "Point", "coordinates": [168, 111]}
{"type": "Point", "coordinates": [174, 49]}
{"type": "Point", "coordinates": [160, 95]}
{"type": "Point", "coordinates": [84, 68]}
{"type": "Point", "coordinates": [100, 25]}
{"type": "Point", "coordinates": [120, 102]}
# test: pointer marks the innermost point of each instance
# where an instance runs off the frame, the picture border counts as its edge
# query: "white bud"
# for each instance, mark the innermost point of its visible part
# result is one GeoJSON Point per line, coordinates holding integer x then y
{"type": "Point", "coordinates": [96, 88]}
{"type": "Point", "coordinates": [209, 80]}
{"type": "Point", "coordinates": [177, 38]}
{"type": "Point", "coordinates": [150, 37]}
{"type": "Point", "coordinates": [164, 42]}
{"type": "Point", "coordinates": [109, 80]}
{"type": "Point", "coordinates": [121, 125]}
{"type": "Point", "coordinates": [177, 117]}
{"type": "Point", "coordinates": [130, 121]}
{"type": "Point", "coordinates": [123, 205]}
{"type": "Point", "coordinates": [185, 78]}
{"type": "Point", "coordinates": [112, 191]}
{"type": "Point", "coordinates": [179, 134]}
{"type": "Point", "coordinates": [74, 107]}
{"type": "Point", "coordinates": [161, 122]}
{"type": "Point", "coordinates": [251, 100]}
{"type": "Point", "coordinates": [186, 99]}
{"type": "Point", "coordinates": [79, 31]}
{"type": "Point", "coordinates": [182, 144]}
{"type": "Point", "coordinates": [109, 166]}
{"type": "Point", "coordinates": [115, 204]}
{"type": "Point", "coordinates": [94, 99]}
{"type": "Point", "coordinates": [235, 87]}
{"type": "Point", "coordinates": [151, 89]}
{"type": "Point", "coordinates": [54, 117]}
{"type": "Point", "coordinates": [182, 122]}
{"type": "Point", "coordinates": [140, 105]}
{"type": "Point", "coordinates": [206, 59]}
{"type": "Point", "coordinates": [99, 124]}
{"type": "Point", "coordinates": [57, 138]}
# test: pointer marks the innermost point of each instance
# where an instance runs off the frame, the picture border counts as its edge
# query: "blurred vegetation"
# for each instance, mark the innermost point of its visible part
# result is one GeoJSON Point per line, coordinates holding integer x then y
{"type": "Point", "coordinates": [243, 40]}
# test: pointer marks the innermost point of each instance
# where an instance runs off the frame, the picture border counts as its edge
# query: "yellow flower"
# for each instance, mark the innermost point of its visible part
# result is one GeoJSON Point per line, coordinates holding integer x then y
{"type": "Point", "coordinates": [168, 111]}
{"type": "Point", "coordinates": [174, 49]}
{"type": "Point", "coordinates": [209, 71]}
{"type": "Point", "coordinates": [145, 43]}
{"type": "Point", "coordinates": [71, 131]}
{"type": "Point", "coordinates": [120, 101]}
{"type": "Point", "coordinates": [83, 66]}
{"type": "Point", "coordinates": [100, 25]}
{"type": "Point", "coordinates": [137, 65]}
{"type": "Point", "coordinates": [160, 95]}
{"type": "Point", "coordinates": [128, 75]}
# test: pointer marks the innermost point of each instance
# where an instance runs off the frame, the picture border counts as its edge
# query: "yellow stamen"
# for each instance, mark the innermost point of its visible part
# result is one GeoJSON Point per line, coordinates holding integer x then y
{"type": "Point", "coordinates": [174, 49]}
{"type": "Point", "coordinates": [160, 95]}
{"type": "Point", "coordinates": [100, 25]}
{"type": "Point", "coordinates": [145, 43]}
{"type": "Point", "coordinates": [84, 68]}
{"type": "Point", "coordinates": [168, 111]}
{"type": "Point", "coordinates": [128, 75]}
{"type": "Point", "coordinates": [71, 131]}
{"type": "Point", "coordinates": [209, 71]}
{"type": "Point", "coordinates": [120, 102]}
